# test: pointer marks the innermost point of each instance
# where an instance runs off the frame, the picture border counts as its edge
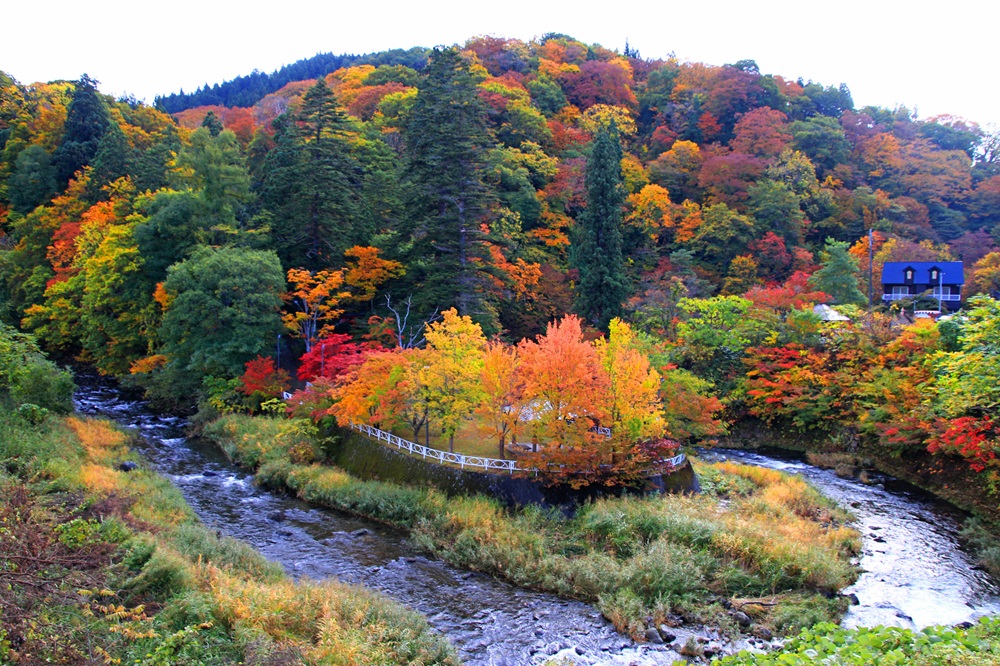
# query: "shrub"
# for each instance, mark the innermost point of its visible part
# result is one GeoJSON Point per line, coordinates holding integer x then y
{"type": "Point", "coordinates": [26, 376]}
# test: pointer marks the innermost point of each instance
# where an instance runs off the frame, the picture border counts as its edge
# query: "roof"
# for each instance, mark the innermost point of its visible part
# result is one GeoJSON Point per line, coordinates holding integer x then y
{"type": "Point", "coordinates": [952, 272]}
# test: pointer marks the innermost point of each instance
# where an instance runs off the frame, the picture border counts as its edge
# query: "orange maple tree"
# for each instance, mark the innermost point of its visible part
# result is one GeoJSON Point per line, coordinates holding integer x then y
{"type": "Point", "coordinates": [503, 399]}
{"type": "Point", "coordinates": [315, 297]}
{"type": "Point", "coordinates": [563, 374]}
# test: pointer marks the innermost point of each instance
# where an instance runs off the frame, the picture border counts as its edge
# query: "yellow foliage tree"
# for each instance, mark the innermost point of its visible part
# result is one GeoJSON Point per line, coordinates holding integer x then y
{"type": "Point", "coordinates": [636, 412]}
{"type": "Point", "coordinates": [450, 377]}
{"type": "Point", "coordinates": [368, 271]}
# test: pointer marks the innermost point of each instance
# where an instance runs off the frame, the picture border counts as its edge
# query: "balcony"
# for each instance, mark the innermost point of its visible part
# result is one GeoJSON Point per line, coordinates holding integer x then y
{"type": "Point", "coordinates": [934, 297]}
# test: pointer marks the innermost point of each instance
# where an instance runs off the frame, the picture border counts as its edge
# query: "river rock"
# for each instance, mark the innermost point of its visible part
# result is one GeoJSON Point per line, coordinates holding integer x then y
{"type": "Point", "coordinates": [276, 516]}
{"type": "Point", "coordinates": [763, 633]}
{"type": "Point", "coordinates": [691, 648]}
{"type": "Point", "coordinates": [209, 472]}
{"type": "Point", "coordinates": [712, 649]}
{"type": "Point", "coordinates": [653, 636]}
{"type": "Point", "coordinates": [741, 618]}
{"type": "Point", "coordinates": [667, 635]}
{"type": "Point", "coordinates": [128, 466]}
{"type": "Point", "coordinates": [853, 598]}
{"type": "Point", "coordinates": [361, 532]}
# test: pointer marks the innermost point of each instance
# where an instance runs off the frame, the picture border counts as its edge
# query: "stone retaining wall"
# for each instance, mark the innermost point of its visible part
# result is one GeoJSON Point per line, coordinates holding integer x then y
{"type": "Point", "coordinates": [367, 459]}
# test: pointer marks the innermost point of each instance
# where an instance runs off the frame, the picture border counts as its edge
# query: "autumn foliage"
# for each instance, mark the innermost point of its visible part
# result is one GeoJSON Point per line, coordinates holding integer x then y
{"type": "Point", "coordinates": [975, 439]}
{"type": "Point", "coordinates": [330, 357]}
{"type": "Point", "coordinates": [263, 378]}
{"type": "Point", "coordinates": [556, 397]}
{"type": "Point", "coordinates": [456, 181]}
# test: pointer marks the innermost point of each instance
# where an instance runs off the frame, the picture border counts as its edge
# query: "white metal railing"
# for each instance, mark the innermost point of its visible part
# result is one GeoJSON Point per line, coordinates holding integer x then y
{"type": "Point", "coordinates": [676, 461]}
{"type": "Point", "coordinates": [934, 297]}
{"type": "Point", "coordinates": [442, 457]}
{"type": "Point", "coordinates": [477, 462]}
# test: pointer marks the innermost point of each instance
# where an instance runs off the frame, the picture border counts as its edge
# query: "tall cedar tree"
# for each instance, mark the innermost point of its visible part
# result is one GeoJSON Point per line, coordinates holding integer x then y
{"type": "Point", "coordinates": [447, 139]}
{"type": "Point", "coordinates": [597, 254]}
{"type": "Point", "coordinates": [328, 162]}
{"type": "Point", "coordinates": [87, 120]}
{"type": "Point", "coordinates": [309, 186]}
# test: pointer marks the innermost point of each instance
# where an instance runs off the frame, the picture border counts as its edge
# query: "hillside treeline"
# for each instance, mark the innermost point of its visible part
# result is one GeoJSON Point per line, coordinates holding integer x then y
{"type": "Point", "coordinates": [514, 181]}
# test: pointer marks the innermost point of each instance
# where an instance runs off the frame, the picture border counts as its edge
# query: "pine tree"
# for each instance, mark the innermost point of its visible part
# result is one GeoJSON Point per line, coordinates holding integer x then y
{"type": "Point", "coordinates": [87, 121]}
{"type": "Point", "coordinates": [112, 161]}
{"type": "Point", "coordinates": [448, 200]}
{"type": "Point", "coordinates": [326, 181]}
{"type": "Point", "coordinates": [310, 182]}
{"type": "Point", "coordinates": [213, 123]}
{"type": "Point", "coordinates": [838, 275]}
{"type": "Point", "coordinates": [597, 247]}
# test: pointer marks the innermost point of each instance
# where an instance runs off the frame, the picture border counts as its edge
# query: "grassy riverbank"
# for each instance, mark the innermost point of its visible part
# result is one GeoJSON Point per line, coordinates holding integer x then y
{"type": "Point", "coordinates": [98, 563]}
{"type": "Point", "coordinates": [756, 541]}
{"type": "Point", "coordinates": [956, 484]}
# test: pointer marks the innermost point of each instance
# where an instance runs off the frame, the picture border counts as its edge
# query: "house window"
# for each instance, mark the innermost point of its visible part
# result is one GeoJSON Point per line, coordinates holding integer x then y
{"type": "Point", "coordinates": [934, 274]}
{"type": "Point", "coordinates": [942, 291]}
{"type": "Point", "coordinates": [909, 274]}
{"type": "Point", "coordinates": [900, 291]}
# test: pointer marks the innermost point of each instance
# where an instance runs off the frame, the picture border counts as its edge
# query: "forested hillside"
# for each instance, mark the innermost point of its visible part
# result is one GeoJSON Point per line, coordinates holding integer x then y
{"type": "Point", "coordinates": [514, 181]}
{"type": "Point", "coordinates": [248, 90]}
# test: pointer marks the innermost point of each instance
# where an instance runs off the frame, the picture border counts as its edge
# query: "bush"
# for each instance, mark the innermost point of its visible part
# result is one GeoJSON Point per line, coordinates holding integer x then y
{"type": "Point", "coordinates": [829, 644]}
{"type": "Point", "coordinates": [983, 537]}
{"type": "Point", "coordinates": [33, 414]}
{"type": "Point", "coordinates": [26, 376]}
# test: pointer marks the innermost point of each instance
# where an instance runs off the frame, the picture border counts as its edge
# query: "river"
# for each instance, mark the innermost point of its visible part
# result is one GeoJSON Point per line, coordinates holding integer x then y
{"type": "Point", "coordinates": [915, 573]}
{"type": "Point", "coordinates": [490, 622]}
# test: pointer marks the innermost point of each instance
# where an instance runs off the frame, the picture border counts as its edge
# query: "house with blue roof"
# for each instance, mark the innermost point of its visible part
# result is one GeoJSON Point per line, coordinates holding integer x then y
{"type": "Point", "coordinates": [939, 280]}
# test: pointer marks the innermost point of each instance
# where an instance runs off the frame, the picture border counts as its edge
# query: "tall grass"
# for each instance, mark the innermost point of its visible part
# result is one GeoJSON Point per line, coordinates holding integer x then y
{"type": "Point", "coordinates": [218, 600]}
{"type": "Point", "coordinates": [758, 532]}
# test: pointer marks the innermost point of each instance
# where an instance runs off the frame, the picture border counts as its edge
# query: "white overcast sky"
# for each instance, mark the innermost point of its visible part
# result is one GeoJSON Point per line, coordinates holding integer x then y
{"type": "Point", "coordinates": [937, 58]}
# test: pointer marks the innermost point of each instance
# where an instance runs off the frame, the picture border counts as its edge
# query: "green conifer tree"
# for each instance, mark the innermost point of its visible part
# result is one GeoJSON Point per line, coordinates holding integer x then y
{"type": "Point", "coordinates": [327, 178]}
{"type": "Point", "coordinates": [597, 245]}
{"type": "Point", "coordinates": [310, 184]}
{"type": "Point", "coordinates": [838, 274]}
{"type": "Point", "coordinates": [448, 200]}
{"type": "Point", "coordinates": [212, 123]}
{"type": "Point", "coordinates": [87, 120]}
